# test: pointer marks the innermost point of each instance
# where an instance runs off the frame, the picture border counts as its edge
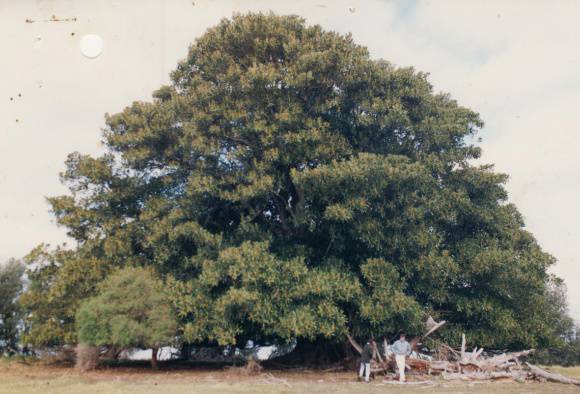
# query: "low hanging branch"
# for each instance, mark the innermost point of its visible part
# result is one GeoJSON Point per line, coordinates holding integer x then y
{"type": "Point", "coordinates": [354, 344]}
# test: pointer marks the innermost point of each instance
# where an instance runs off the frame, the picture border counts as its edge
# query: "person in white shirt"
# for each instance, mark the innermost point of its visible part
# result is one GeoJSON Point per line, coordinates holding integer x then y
{"type": "Point", "coordinates": [402, 349]}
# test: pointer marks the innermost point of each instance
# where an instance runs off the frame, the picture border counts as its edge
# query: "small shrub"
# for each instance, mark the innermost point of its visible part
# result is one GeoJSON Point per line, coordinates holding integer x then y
{"type": "Point", "coordinates": [131, 310]}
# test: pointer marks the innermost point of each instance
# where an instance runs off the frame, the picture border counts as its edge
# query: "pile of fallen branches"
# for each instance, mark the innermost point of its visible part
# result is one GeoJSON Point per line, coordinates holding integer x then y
{"type": "Point", "coordinates": [460, 364]}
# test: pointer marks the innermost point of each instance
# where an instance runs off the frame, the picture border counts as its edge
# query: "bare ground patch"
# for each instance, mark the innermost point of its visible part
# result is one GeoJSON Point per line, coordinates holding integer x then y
{"type": "Point", "coordinates": [33, 378]}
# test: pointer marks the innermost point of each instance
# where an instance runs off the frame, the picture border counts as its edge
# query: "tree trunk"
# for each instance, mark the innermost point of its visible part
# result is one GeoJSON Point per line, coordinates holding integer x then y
{"type": "Point", "coordinates": [185, 351]}
{"type": "Point", "coordinates": [87, 357]}
{"type": "Point", "coordinates": [154, 363]}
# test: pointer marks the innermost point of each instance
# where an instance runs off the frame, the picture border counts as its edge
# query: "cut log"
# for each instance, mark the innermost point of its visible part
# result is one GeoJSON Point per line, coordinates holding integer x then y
{"type": "Point", "coordinates": [463, 343]}
{"type": "Point", "coordinates": [418, 365]}
{"type": "Point", "coordinates": [470, 367]}
{"type": "Point", "coordinates": [551, 376]}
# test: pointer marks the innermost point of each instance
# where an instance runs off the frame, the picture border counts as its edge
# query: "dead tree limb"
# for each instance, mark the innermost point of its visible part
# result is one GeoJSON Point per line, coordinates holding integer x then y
{"type": "Point", "coordinates": [497, 361]}
{"type": "Point", "coordinates": [484, 376]}
{"type": "Point", "coordinates": [432, 326]}
{"type": "Point", "coordinates": [473, 353]}
{"type": "Point", "coordinates": [438, 366]}
{"type": "Point", "coordinates": [551, 376]}
{"type": "Point", "coordinates": [385, 345]}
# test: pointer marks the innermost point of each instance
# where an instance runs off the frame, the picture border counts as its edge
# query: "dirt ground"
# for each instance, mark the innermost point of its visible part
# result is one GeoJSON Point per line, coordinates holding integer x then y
{"type": "Point", "coordinates": [16, 377]}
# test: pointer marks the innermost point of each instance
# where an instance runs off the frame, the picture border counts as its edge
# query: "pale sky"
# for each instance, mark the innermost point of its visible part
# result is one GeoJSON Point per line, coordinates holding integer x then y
{"type": "Point", "coordinates": [515, 62]}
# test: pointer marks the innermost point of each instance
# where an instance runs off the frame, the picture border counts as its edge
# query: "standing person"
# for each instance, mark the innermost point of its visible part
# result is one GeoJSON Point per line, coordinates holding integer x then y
{"type": "Point", "coordinates": [402, 349]}
{"type": "Point", "coordinates": [365, 361]}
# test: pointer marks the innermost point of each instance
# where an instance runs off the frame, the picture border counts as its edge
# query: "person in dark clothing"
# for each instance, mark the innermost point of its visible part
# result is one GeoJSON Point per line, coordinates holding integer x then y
{"type": "Point", "coordinates": [365, 361]}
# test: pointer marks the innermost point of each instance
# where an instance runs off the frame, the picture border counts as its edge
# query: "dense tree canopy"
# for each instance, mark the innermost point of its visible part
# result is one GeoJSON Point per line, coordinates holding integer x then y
{"type": "Point", "coordinates": [286, 185]}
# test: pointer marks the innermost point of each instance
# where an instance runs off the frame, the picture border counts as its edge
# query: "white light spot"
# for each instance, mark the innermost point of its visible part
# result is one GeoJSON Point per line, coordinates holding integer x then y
{"type": "Point", "coordinates": [91, 45]}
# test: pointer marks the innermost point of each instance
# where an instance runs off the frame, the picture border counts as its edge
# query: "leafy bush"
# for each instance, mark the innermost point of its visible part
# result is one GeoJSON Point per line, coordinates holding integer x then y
{"type": "Point", "coordinates": [131, 310]}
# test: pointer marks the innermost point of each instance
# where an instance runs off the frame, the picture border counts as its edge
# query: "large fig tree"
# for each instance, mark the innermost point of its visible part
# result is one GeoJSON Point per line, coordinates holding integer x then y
{"type": "Point", "coordinates": [287, 186]}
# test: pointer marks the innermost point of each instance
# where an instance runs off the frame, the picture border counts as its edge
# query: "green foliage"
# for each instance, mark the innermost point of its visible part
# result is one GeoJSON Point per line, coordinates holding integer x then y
{"type": "Point", "coordinates": [565, 350]}
{"type": "Point", "coordinates": [288, 186]}
{"type": "Point", "coordinates": [59, 281]}
{"type": "Point", "coordinates": [567, 355]}
{"type": "Point", "coordinates": [11, 285]}
{"type": "Point", "coordinates": [130, 310]}
{"type": "Point", "coordinates": [247, 286]}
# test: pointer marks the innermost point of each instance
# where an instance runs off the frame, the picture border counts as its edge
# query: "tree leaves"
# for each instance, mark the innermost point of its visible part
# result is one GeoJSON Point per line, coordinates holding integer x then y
{"type": "Point", "coordinates": [285, 185]}
{"type": "Point", "coordinates": [130, 310]}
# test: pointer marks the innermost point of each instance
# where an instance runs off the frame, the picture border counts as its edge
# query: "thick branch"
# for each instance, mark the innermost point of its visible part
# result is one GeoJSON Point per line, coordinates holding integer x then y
{"type": "Point", "coordinates": [354, 344]}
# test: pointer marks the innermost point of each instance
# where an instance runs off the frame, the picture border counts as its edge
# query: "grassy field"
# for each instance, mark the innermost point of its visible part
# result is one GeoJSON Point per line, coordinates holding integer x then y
{"type": "Point", "coordinates": [18, 378]}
